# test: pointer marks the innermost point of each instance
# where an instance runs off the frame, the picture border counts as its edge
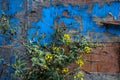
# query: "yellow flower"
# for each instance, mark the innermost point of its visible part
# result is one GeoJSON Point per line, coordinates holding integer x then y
{"type": "Point", "coordinates": [80, 62]}
{"type": "Point", "coordinates": [65, 70]}
{"type": "Point", "coordinates": [75, 77]}
{"type": "Point", "coordinates": [48, 56]}
{"type": "Point", "coordinates": [80, 74]}
{"type": "Point", "coordinates": [56, 49]}
{"type": "Point", "coordinates": [66, 38]}
{"type": "Point", "coordinates": [81, 78]}
{"type": "Point", "coordinates": [87, 49]}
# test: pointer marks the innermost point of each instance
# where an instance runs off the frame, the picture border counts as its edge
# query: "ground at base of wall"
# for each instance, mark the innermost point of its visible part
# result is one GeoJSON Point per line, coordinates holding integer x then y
{"type": "Point", "coordinates": [102, 76]}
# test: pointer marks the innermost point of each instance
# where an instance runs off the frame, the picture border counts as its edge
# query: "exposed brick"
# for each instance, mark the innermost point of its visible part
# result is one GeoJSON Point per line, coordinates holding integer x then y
{"type": "Point", "coordinates": [104, 60]}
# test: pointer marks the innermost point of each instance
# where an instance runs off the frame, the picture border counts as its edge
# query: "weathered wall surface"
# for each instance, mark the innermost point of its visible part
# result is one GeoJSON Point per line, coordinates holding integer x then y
{"type": "Point", "coordinates": [80, 16]}
{"type": "Point", "coordinates": [104, 59]}
{"type": "Point", "coordinates": [86, 18]}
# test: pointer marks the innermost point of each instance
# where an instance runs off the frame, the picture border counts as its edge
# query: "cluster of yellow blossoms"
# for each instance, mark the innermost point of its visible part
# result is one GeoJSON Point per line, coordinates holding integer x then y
{"type": "Point", "coordinates": [79, 75]}
{"type": "Point", "coordinates": [66, 38]}
{"type": "Point", "coordinates": [65, 70]}
{"type": "Point", "coordinates": [56, 49]}
{"type": "Point", "coordinates": [48, 56]}
{"type": "Point", "coordinates": [80, 62]}
{"type": "Point", "coordinates": [87, 49]}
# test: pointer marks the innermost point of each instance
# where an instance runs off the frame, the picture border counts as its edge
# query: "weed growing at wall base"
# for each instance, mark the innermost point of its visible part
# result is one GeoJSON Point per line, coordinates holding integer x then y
{"type": "Point", "coordinates": [52, 61]}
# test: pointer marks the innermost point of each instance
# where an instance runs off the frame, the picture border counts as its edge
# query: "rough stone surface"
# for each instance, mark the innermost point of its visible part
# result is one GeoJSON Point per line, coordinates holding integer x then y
{"type": "Point", "coordinates": [102, 76]}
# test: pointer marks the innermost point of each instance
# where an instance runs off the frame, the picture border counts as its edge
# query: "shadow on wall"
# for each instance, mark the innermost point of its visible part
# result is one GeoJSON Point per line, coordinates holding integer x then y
{"type": "Point", "coordinates": [114, 29]}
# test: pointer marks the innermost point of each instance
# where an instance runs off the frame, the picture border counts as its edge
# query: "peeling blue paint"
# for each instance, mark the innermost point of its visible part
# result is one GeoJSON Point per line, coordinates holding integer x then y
{"type": "Point", "coordinates": [30, 5]}
{"type": "Point", "coordinates": [103, 11]}
{"type": "Point", "coordinates": [0, 7]}
{"type": "Point", "coordinates": [100, 11]}
{"type": "Point", "coordinates": [50, 13]}
{"type": "Point", "coordinates": [30, 1]}
{"type": "Point", "coordinates": [69, 22]}
{"type": "Point", "coordinates": [1, 40]}
{"type": "Point", "coordinates": [114, 8]}
{"type": "Point", "coordinates": [14, 22]}
{"type": "Point", "coordinates": [41, 27]}
{"type": "Point", "coordinates": [14, 6]}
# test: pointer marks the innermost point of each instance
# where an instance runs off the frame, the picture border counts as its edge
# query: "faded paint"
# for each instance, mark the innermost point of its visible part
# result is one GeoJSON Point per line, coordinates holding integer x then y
{"type": "Point", "coordinates": [49, 14]}
{"type": "Point", "coordinates": [11, 8]}
{"type": "Point", "coordinates": [14, 6]}
{"type": "Point", "coordinates": [0, 7]}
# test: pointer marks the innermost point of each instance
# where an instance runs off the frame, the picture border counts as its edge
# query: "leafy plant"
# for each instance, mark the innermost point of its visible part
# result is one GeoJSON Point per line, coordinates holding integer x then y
{"type": "Point", "coordinates": [51, 62]}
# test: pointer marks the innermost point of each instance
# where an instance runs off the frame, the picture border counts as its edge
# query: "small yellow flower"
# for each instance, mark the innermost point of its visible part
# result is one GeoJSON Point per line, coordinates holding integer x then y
{"type": "Point", "coordinates": [87, 49]}
{"type": "Point", "coordinates": [75, 77]}
{"type": "Point", "coordinates": [56, 49]}
{"type": "Point", "coordinates": [80, 74]}
{"type": "Point", "coordinates": [65, 70]}
{"type": "Point", "coordinates": [48, 56]}
{"type": "Point", "coordinates": [80, 62]}
{"type": "Point", "coordinates": [66, 38]}
{"type": "Point", "coordinates": [81, 78]}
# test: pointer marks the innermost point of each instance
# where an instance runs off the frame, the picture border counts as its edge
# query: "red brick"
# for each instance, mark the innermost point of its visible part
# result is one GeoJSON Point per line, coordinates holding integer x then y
{"type": "Point", "coordinates": [104, 59]}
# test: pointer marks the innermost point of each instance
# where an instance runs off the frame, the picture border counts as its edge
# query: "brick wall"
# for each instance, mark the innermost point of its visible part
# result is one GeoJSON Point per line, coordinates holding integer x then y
{"type": "Point", "coordinates": [104, 59]}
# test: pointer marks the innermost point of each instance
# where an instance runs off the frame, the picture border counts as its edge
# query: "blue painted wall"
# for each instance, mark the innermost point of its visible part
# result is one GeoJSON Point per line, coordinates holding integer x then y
{"type": "Point", "coordinates": [12, 7]}
{"type": "Point", "coordinates": [49, 14]}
